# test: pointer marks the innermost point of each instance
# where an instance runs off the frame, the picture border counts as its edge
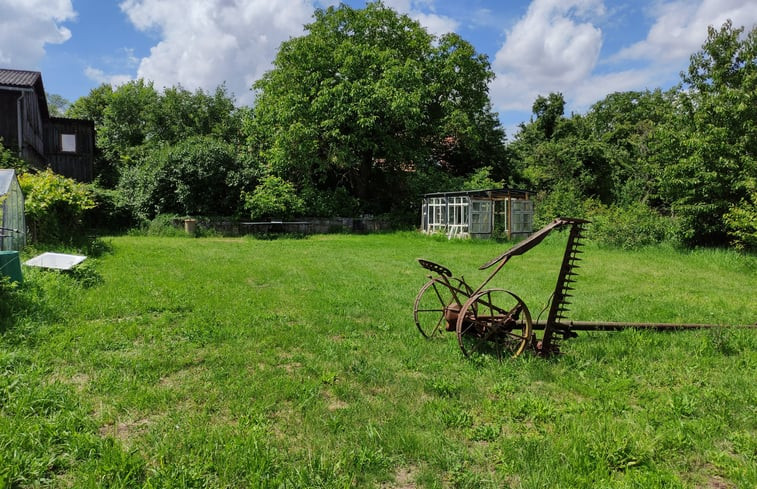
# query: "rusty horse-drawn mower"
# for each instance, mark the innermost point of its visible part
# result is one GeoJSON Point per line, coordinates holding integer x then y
{"type": "Point", "coordinates": [496, 321]}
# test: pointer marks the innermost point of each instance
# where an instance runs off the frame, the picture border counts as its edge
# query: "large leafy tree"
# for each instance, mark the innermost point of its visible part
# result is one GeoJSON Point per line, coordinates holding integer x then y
{"type": "Point", "coordinates": [624, 122]}
{"type": "Point", "coordinates": [708, 152]}
{"type": "Point", "coordinates": [563, 155]}
{"type": "Point", "coordinates": [367, 95]}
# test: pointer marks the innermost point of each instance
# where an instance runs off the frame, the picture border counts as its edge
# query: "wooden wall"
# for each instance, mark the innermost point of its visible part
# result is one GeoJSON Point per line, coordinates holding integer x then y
{"type": "Point", "coordinates": [8, 120]}
{"type": "Point", "coordinates": [33, 148]}
{"type": "Point", "coordinates": [77, 165]}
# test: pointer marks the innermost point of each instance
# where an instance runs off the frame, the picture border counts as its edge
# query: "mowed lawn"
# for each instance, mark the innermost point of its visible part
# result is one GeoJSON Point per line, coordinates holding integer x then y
{"type": "Point", "coordinates": [219, 362]}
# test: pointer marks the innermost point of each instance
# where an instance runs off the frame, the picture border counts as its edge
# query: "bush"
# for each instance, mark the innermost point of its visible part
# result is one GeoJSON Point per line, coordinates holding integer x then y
{"type": "Point", "coordinates": [564, 200]}
{"type": "Point", "coordinates": [274, 198]}
{"type": "Point", "coordinates": [110, 213]}
{"type": "Point", "coordinates": [9, 159]}
{"type": "Point", "coordinates": [54, 206]}
{"type": "Point", "coordinates": [630, 227]}
{"type": "Point", "coordinates": [481, 180]}
{"type": "Point", "coordinates": [192, 177]}
{"type": "Point", "coordinates": [741, 221]}
{"type": "Point", "coordinates": [161, 225]}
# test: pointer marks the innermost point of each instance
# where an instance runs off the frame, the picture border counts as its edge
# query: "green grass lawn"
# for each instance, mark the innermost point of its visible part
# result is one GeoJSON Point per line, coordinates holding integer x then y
{"type": "Point", "coordinates": [220, 362]}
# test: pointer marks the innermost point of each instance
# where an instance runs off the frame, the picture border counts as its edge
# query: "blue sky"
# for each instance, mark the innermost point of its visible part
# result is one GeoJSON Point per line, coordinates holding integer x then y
{"type": "Point", "coordinates": [585, 49]}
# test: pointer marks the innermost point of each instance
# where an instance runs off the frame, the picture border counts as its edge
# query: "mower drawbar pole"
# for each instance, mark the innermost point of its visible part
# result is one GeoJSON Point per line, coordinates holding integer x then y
{"type": "Point", "coordinates": [617, 326]}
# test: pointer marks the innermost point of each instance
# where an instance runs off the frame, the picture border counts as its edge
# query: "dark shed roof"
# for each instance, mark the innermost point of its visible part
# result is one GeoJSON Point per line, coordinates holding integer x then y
{"type": "Point", "coordinates": [25, 79]}
{"type": "Point", "coordinates": [493, 193]}
{"type": "Point", "coordinates": [19, 78]}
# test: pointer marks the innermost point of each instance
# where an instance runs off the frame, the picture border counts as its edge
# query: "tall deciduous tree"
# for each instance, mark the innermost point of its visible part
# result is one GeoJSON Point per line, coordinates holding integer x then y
{"type": "Point", "coordinates": [367, 95]}
{"type": "Point", "coordinates": [711, 149]}
{"type": "Point", "coordinates": [56, 104]}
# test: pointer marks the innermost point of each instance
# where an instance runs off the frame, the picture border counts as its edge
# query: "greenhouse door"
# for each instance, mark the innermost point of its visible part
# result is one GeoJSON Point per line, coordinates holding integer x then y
{"type": "Point", "coordinates": [522, 215]}
{"type": "Point", "coordinates": [481, 218]}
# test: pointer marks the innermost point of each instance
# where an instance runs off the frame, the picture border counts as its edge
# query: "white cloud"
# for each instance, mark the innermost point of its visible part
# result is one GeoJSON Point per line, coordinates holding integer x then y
{"type": "Point", "coordinates": [424, 13]}
{"type": "Point", "coordinates": [552, 48]}
{"type": "Point", "coordinates": [25, 28]}
{"type": "Point", "coordinates": [680, 27]}
{"type": "Point", "coordinates": [435, 24]}
{"type": "Point", "coordinates": [208, 42]}
{"type": "Point", "coordinates": [556, 47]}
{"type": "Point", "coordinates": [99, 76]}
{"type": "Point", "coordinates": [597, 87]}
{"type": "Point", "coordinates": [203, 43]}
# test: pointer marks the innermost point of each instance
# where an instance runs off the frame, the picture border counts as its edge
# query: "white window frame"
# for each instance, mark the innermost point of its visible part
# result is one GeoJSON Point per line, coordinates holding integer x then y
{"type": "Point", "coordinates": [67, 143]}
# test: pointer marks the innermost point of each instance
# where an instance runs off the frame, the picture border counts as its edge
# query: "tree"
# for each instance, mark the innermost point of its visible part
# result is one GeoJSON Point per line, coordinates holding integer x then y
{"type": "Point", "coordinates": [625, 122]}
{"type": "Point", "coordinates": [710, 148]}
{"type": "Point", "coordinates": [56, 104]}
{"type": "Point", "coordinates": [548, 111]}
{"type": "Point", "coordinates": [180, 114]}
{"type": "Point", "coordinates": [274, 198]}
{"type": "Point", "coordinates": [92, 106]}
{"type": "Point", "coordinates": [367, 95]}
{"type": "Point", "coordinates": [559, 154]}
{"type": "Point", "coordinates": [135, 118]}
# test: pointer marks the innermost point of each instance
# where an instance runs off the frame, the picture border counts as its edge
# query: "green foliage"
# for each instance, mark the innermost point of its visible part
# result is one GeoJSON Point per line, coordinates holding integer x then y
{"type": "Point", "coordinates": [563, 200]}
{"type": "Point", "coordinates": [548, 111]}
{"type": "Point", "coordinates": [570, 157]}
{"type": "Point", "coordinates": [56, 104]}
{"type": "Point", "coordinates": [481, 180]}
{"type": "Point", "coordinates": [708, 150]}
{"type": "Point", "coordinates": [54, 206]}
{"type": "Point", "coordinates": [366, 95]}
{"type": "Point", "coordinates": [10, 159]}
{"type": "Point", "coordinates": [329, 202]}
{"type": "Point", "coordinates": [741, 220]}
{"type": "Point", "coordinates": [161, 225]}
{"type": "Point", "coordinates": [274, 198]}
{"type": "Point", "coordinates": [192, 177]}
{"type": "Point", "coordinates": [135, 119]}
{"type": "Point", "coordinates": [630, 227]}
{"type": "Point", "coordinates": [687, 153]}
{"type": "Point", "coordinates": [110, 214]}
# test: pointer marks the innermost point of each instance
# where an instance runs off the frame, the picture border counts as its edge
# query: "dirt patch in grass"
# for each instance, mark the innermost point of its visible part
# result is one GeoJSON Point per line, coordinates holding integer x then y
{"type": "Point", "coordinates": [333, 403]}
{"type": "Point", "coordinates": [191, 373]}
{"type": "Point", "coordinates": [125, 431]}
{"type": "Point", "coordinates": [715, 482]}
{"type": "Point", "coordinates": [290, 367]}
{"type": "Point", "coordinates": [404, 478]}
{"type": "Point", "coordinates": [79, 380]}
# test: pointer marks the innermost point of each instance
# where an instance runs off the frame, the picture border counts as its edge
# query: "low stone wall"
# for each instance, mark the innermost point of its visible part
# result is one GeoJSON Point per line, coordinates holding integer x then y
{"type": "Point", "coordinates": [304, 226]}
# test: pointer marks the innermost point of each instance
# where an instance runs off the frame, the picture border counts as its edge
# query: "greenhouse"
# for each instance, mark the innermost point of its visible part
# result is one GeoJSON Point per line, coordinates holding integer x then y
{"type": "Point", "coordinates": [478, 213]}
{"type": "Point", "coordinates": [12, 221]}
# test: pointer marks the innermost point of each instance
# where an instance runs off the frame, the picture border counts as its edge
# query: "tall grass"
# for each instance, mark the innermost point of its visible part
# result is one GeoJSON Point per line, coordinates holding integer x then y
{"type": "Point", "coordinates": [295, 363]}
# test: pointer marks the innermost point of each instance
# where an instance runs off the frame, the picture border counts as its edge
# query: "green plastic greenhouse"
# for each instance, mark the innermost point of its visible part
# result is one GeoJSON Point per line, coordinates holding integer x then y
{"type": "Point", "coordinates": [12, 221]}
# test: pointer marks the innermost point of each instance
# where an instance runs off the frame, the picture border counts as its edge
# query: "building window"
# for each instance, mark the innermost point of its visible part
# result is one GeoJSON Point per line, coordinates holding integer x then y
{"type": "Point", "coordinates": [68, 143]}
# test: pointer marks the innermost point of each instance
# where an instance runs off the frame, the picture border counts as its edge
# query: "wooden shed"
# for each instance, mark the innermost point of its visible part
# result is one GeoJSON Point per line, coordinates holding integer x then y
{"type": "Point", "coordinates": [478, 213]}
{"type": "Point", "coordinates": [23, 113]}
{"type": "Point", "coordinates": [67, 146]}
